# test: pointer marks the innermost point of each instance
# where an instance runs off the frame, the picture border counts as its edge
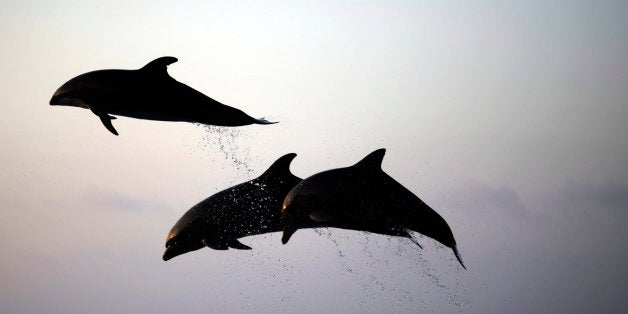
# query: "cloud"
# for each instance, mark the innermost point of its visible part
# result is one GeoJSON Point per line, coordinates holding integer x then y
{"type": "Point", "coordinates": [479, 198]}
{"type": "Point", "coordinates": [610, 196]}
{"type": "Point", "coordinates": [118, 201]}
{"type": "Point", "coordinates": [566, 256]}
{"type": "Point", "coordinates": [575, 198]}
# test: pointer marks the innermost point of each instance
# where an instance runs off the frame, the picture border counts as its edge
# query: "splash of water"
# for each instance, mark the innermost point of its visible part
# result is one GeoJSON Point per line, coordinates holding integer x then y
{"type": "Point", "coordinates": [378, 280]}
{"type": "Point", "coordinates": [231, 144]}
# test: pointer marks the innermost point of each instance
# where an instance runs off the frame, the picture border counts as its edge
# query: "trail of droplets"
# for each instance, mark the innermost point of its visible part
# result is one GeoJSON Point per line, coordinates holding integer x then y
{"type": "Point", "coordinates": [455, 294]}
{"type": "Point", "coordinates": [264, 269]}
{"type": "Point", "coordinates": [375, 287]}
{"type": "Point", "coordinates": [372, 286]}
{"type": "Point", "coordinates": [231, 143]}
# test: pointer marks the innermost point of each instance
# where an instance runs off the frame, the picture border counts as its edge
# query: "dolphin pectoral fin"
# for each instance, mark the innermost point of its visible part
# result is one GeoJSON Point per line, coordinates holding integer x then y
{"type": "Point", "coordinates": [106, 120]}
{"type": "Point", "coordinates": [406, 234]}
{"type": "Point", "coordinates": [414, 241]}
{"type": "Point", "coordinates": [215, 245]}
{"type": "Point", "coordinates": [235, 244]}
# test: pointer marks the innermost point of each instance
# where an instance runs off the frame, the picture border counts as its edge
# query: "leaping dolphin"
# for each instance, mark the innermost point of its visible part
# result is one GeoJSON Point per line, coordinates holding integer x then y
{"type": "Point", "coordinates": [147, 93]}
{"type": "Point", "coordinates": [249, 208]}
{"type": "Point", "coordinates": [362, 197]}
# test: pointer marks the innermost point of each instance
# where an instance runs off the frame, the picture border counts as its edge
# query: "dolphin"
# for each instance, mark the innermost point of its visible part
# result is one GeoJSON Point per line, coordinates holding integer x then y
{"type": "Point", "coordinates": [362, 197]}
{"type": "Point", "coordinates": [147, 93]}
{"type": "Point", "coordinates": [249, 208]}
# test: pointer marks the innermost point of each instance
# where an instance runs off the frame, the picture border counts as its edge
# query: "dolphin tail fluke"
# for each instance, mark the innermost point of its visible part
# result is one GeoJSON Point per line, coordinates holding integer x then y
{"type": "Point", "coordinates": [106, 120]}
{"type": "Point", "coordinates": [455, 248]}
{"type": "Point", "coordinates": [235, 244]}
{"type": "Point", "coordinates": [263, 121]}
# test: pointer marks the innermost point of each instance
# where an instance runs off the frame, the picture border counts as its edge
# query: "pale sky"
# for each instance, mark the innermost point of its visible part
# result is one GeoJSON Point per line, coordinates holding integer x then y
{"type": "Point", "coordinates": [507, 117]}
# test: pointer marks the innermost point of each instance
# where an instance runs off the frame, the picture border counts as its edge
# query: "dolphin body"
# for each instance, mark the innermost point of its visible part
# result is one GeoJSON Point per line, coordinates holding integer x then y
{"type": "Point", "coordinates": [147, 93]}
{"type": "Point", "coordinates": [362, 197]}
{"type": "Point", "coordinates": [249, 208]}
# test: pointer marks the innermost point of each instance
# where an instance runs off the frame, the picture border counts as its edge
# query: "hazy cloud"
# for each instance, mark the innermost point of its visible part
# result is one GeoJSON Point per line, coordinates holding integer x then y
{"type": "Point", "coordinates": [589, 197]}
{"type": "Point", "coordinates": [115, 200]}
{"type": "Point", "coordinates": [479, 198]}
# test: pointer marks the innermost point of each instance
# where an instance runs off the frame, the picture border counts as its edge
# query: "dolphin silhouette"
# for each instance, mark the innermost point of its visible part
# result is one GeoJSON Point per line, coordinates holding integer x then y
{"type": "Point", "coordinates": [362, 197]}
{"type": "Point", "coordinates": [147, 93]}
{"type": "Point", "coordinates": [249, 208]}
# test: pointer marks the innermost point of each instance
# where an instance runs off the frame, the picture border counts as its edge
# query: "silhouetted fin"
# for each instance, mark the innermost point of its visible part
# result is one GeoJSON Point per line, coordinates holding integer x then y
{"type": "Point", "coordinates": [215, 245]}
{"type": "Point", "coordinates": [413, 239]}
{"type": "Point", "coordinates": [263, 121]}
{"type": "Point", "coordinates": [234, 243]}
{"type": "Point", "coordinates": [281, 166]}
{"type": "Point", "coordinates": [372, 160]}
{"type": "Point", "coordinates": [455, 248]}
{"type": "Point", "coordinates": [159, 65]}
{"type": "Point", "coordinates": [106, 120]}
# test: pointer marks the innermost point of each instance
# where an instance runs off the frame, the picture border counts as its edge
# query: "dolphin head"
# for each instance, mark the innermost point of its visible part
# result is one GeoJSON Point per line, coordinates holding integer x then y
{"type": "Point", "coordinates": [69, 94]}
{"type": "Point", "coordinates": [104, 84]}
{"type": "Point", "coordinates": [91, 87]}
{"type": "Point", "coordinates": [293, 214]}
{"type": "Point", "coordinates": [181, 243]}
{"type": "Point", "coordinates": [188, 234]}
{"type": "Point", "coordinates": [311, 202]}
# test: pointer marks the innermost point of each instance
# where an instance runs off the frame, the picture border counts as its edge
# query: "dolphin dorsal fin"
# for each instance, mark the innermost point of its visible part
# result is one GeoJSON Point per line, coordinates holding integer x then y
{"type": "Point", "coordinates": [159, 65]}
{"type": "Point", "coordinates": [372, 160]}
{"type": "Point", "coordinates": [281, 165]}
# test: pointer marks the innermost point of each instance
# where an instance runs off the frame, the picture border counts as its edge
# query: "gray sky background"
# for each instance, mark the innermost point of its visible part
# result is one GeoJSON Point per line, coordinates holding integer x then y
{"type": "Point", "coordinates": [507, 117]}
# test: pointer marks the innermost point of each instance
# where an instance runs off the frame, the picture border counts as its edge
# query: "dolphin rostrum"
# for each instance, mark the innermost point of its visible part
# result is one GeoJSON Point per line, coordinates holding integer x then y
{"type": "Point", "coordinates": [147, 93]}
{"type": "Point", "coordinates": [249, 208]}
{"type": "Point", "coordinates": [362, 197]}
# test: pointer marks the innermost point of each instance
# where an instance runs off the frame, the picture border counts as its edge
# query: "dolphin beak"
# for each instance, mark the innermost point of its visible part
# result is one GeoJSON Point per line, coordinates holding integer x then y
{"type": "Point", "coordinates": [169, 253]}
{"type": "Point", "coordinates": [54, 100]}
{"type": "Point", "coordinates": [67, 99]}
{"type": "Point", "coordinates": [166, 256]}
